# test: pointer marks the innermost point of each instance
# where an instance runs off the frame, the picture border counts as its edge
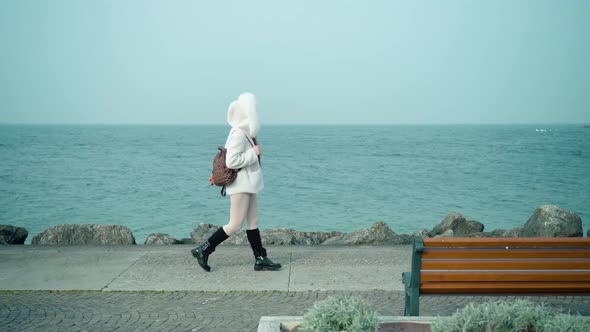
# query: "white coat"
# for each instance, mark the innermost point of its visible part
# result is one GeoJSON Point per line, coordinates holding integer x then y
{"type": "Point", "coordinates": [243, 118]}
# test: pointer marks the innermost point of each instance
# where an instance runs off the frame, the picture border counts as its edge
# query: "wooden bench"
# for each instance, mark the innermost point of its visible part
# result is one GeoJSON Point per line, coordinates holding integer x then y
{"type": "Point", "coordinates": [497, 266]}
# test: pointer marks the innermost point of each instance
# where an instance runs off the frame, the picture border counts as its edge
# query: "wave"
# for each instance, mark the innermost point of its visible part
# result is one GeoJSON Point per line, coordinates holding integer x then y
{"type": "Point", "coordinates": [543, 130]}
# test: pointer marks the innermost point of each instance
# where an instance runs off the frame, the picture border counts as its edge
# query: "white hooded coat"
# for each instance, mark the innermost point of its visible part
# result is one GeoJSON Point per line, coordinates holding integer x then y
{"type": "Point", "coordinates": [243, 119]}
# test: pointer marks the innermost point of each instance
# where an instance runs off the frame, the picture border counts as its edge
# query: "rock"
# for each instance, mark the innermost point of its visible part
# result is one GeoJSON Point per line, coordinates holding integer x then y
{"type": "Point", "coordinates": [588, 233]}
{"type": "Point", "coordinates": [480, 234]}
{"type": "Point", "coordinates": [458, 224]}
{"type": "Point", "coordinates": [468, 228]}
{"type": "Point", "coordinates": [203, 232]}
{"type": "Point", "coordinates": [515, 232]}
{"type": "Point", "coordinates": [83, 234]}
{"type": "Point", "coordinates": [13, 235]}
{"type": "Point", "coordinates": [160, 239]}
{"type": "Point", "coordinates": [379, 233]}
{"type": "Point", "coordinates": [498, 232]}
{"type": "Point", "coordinates": [186, 240]}
{"type": "Point", "coordinates": [409, 239]}
{"type": "Point", "coordinates": [281, 236]}
{"type": "Point", "coordinates": [553, 221]}
{"type": "Point", "coordinates": [406, 238]}
{"type": "Point", "coordinates": [447, 223]}
{"type": "Point", "coordinates": [292, 237]}
{"type": "Point", "coordinates": [447, 233]}
{"type": "Point", "coordinates": [422, 233]}
{"type": "Point", "coordinates": [240, 238]}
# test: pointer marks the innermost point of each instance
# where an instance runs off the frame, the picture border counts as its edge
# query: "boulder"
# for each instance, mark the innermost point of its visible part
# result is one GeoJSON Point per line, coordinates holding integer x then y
{"type": "Point", "coordinates": [498, 232]}
{"type": "Point", "coordinates": [240, 238]}
{"type": "Point", "coordinates": [458, 224]}
{"type": "Point", "coordinates": [407, 238]}
{"type": "Point", "coordinates": [515, 232]}
{"type": "Point", "coordinates": [292, 237]}
{"type": "Point", "coordinates": [470, 227]}
{"type": "Point", "coordinates": [12, 234]}
{"type": "Point", "coordinates": [203, 232]}
{"type": "Point", "coordinates": [186, 240]}
{"type": "Point", "coordinates": [281, 236]}
{"type": "Point", "coordinates": [553, 221]}
{"type": "Point", "coordinates": [160, 239]}
{"type": "Point", "coordinates": [422, 233]}
{"type": "Point", "coordinates": [447, 223]}
{"type": "Point", "coordinates": [447, 233]}
{"type": "Point", "coordinates": [83, 234]}
{"type": "Point", "coordinates": [480, 234]}
{"type": "Point", "coordinates": [379, 233]}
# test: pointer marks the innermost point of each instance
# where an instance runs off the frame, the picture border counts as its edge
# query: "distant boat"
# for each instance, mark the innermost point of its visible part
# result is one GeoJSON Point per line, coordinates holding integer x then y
{"type": "Point", "coordinates": [586, 126]}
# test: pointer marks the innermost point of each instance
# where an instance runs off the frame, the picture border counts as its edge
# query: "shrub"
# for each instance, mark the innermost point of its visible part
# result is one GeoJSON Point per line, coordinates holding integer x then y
{"type": "Point", "coordinates": [349, 314]}
{"type": "Point", "coordinates": [566, 323]}
{"type": "Point", "coordinates": [518, 316]}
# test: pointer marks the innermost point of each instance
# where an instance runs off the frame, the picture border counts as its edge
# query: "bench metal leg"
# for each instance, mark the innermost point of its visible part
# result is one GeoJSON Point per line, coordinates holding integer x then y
{"type": "Point", "coordinates": [412, 296]}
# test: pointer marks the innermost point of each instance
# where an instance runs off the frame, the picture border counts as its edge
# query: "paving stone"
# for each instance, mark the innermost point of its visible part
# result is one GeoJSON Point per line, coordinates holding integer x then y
{"type": "Point", "coordinates": [205, 311]}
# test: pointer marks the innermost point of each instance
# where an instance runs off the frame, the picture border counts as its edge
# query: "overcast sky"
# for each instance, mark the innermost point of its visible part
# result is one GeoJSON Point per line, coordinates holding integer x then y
{"type": "Point", "coordinates": [316, 62]}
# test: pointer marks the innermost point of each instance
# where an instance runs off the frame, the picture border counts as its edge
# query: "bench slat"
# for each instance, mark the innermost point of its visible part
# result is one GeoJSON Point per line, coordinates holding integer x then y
{"type": "Point", "coordinates": [506, 288]}
{"type": "Point", "coordinates": [503, 242]}
{"type": "Point", "coordinates": [505, 253]}
{"type": "Point", "coordinates": [504, 276]}
{"type": "Point", "coordinates": [505, 264]}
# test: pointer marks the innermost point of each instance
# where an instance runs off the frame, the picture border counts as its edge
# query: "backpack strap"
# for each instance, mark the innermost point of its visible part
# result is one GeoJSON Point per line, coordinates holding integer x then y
{"type": "Point", "coordinates": [249, 141]}
{"type": "Point", "coordinates": [253, 142]}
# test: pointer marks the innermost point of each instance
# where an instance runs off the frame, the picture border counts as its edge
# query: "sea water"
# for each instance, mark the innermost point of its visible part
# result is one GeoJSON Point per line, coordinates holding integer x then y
{"type": "Point", "coordinates": [154, 179]}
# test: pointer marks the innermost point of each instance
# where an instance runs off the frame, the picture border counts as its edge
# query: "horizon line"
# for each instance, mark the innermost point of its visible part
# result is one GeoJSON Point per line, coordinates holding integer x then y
{"type": "Point", "coordinates": [288, 124]}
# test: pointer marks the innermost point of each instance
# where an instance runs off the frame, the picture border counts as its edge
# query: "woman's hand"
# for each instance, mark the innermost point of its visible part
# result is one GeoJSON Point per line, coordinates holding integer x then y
{"type": "Point", "coordinates": [256, 149]}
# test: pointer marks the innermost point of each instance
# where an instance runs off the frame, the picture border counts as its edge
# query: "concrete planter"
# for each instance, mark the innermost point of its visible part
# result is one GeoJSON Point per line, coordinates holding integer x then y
{"type": "Point", "coordinates": [388, 323]}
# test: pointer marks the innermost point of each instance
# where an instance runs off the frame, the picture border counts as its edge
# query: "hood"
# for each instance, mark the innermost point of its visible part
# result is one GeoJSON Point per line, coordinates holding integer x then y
{"type": "Point", "coordinates": [242, 114]}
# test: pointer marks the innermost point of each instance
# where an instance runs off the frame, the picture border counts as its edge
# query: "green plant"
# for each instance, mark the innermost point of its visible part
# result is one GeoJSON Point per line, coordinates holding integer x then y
{"type": "Point", "coordinates": [517, 316]}
{"type": "Point", "coordinates": [566, 323]}
{"type": "Point", "coordinates": [349, 314]}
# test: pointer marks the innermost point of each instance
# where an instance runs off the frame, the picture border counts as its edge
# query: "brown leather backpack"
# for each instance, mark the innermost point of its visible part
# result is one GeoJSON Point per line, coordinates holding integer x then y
{"type": "Point", "coordinates": [221, 175]}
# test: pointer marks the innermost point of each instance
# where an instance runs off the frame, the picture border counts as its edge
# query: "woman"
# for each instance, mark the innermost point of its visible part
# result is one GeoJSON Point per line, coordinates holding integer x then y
{"type": "Point", "coordinates": [243, 154]}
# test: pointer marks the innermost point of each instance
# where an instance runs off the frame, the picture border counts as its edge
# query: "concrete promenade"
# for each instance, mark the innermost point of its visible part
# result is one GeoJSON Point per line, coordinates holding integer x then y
{"type": "Point", "coordinates": [161, 288]}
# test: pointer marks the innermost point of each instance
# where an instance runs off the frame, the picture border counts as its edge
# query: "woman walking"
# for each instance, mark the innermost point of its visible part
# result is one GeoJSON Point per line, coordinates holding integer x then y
{"type": "Point", "coordinates": [243, 154]}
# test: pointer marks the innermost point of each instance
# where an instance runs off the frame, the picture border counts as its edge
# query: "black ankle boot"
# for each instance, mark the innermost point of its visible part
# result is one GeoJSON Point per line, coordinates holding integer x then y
{"type": "Point", "coordinates": [262, 262]}
{"type": "Point", "coordinates": [202, 252]}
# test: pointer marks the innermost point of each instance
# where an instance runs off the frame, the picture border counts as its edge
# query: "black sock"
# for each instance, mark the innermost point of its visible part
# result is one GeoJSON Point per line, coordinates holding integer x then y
{"type": "Point", "coordinates": [216, 239]}
{"type": "Point", "coordinates": [256, 242]}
